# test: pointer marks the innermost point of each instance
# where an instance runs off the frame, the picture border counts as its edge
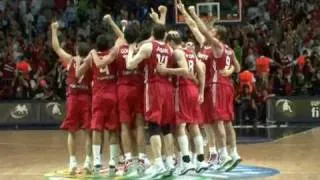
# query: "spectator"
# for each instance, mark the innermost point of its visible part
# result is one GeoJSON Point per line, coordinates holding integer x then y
{"type": "Point", "coordinates": [247, 109]}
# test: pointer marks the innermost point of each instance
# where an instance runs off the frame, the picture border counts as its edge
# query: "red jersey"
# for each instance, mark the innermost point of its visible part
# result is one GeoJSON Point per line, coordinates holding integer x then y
{"type": "Point", "coordinates": [126, 76]}
{"type": "Point", "coordinates": [206, 56]}
{"type": "Point", "coordinates": [78, 85]}
{"type": "Point", "coordinates": [191, 60]}
{"type": "Point", "coordinates": [104, 75]}
{"type": "Point", "coordinates": [224, 61]}
{"type": "Point", "coordinates": [161, 54]}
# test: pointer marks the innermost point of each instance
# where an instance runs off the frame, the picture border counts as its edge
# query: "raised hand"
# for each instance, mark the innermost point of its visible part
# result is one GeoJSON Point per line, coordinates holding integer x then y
{"type": "Point", "coordinates": [162, 9]}
{"type": "Point", "coordinates": [192, 9]}
{"type": "Point", "coordinates": [107, 18]}
{"type": "Point", "coordinates": [181, 7]}
{"type": "Point", "coordinates": [154, 16]}
{"type": "Point", "coordinates": [54, 25]}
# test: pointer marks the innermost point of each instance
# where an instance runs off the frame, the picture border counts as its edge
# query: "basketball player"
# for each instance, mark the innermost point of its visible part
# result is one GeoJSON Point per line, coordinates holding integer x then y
{"type": "Point", "coordinates": [188, 99]}
{"type": "Point", "coordinates": [130, 90]}
{"type": "Point", "coordinates": [222, 89]}
{"type": "Point", "coordinates": [204, 56]}
{"type": "Point", "coordinates": [104, 101]}
{"type": "Point", "coordinates": [159, 99]}
{"type": "Point", "coordinates": [78, 99]}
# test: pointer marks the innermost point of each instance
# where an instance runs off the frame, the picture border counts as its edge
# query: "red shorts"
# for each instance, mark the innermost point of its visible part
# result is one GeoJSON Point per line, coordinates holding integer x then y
{"type": "Point", "coordinates": [130, 102]}
{"type": "Point", "coordinates": [187, 107]}
{"type": "Point", "coordinates": [159, 103]}
{"type": "Point", "coordinates": [78, 114]}
{"type": "Point", "coordinates": [218, 103]}
{"type": "Point", "coordinates": [223, 101]}
{"type": "Point", "coordinates": [105, 108]}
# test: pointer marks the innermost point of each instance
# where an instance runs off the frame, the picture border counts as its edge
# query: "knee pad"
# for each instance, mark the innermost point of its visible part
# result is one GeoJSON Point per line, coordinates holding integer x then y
{"type": "Point", "coordinates": [154, 129]}
{"type": "Point", "coordinates": [166, 130]}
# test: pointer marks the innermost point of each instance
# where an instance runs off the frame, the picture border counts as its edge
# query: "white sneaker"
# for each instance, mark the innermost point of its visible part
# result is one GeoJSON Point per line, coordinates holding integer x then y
{"type": "Point", "coordinates": [87, 167]}
{"type": "Point", "coordinates": [222, 162]}
{"type": "Point", "coordinates": [185, 168]}
{"type": "Point", "coordinates": [202, 166]}
{"type": "Point", "coordinates": [157, 172]}
{"type": "Point", "coordinates": [170, 167]}
{"type": "Point", "coordinates": [143, 165]}
{"type": "Point", "coordinates": [72, 167]}
{"type": "Point", "coordinates": [236, 159]}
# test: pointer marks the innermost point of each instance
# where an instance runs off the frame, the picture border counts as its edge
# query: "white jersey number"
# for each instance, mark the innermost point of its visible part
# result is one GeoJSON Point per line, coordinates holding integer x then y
{"type": "Point", "coordinates": [191, 66]}
{"type": "Point", "coordinates": [162, 60]}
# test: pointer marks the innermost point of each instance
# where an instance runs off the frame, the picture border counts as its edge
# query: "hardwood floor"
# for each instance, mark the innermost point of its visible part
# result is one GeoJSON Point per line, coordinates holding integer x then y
{"type": "Point", "coordinates": [31, 154]}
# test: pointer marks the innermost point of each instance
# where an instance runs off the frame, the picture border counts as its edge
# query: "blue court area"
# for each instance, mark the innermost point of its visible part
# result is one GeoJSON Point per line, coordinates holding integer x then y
{"type": "Point", "coordinates": [241, 172]}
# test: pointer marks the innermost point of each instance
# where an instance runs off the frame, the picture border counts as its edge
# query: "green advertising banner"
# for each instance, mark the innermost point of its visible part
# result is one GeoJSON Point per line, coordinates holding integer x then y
{"type": "Point", "coordinates": [294, 109]}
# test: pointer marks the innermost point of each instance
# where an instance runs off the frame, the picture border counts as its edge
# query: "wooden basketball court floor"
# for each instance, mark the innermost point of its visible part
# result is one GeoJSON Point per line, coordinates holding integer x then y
{"type": "Point", "coordinates": [32, 153]}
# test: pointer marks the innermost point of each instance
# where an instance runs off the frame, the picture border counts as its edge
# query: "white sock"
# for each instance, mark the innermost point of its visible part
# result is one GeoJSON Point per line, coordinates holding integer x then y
{"type": "Point", "coordinates": [233, 152]}
{"type": "Point", "coordinates": [180, 157]}
{"type": "Point", "coordinates": [213, 150]}
{"type": "Point", "coordinates": [223, 151]}
{"type": "Point", "coordinates": [183, 145]}
{"type": "Point", "coordinates": [127, 156]}
{"type": "Point", "coordinates": [72, 161]}
{"type": "Point", "coordinates": [96, 154]}
{"type": "Point", "coordinates": [194, 158]}
{"type": "Point", "coordinates": [170, 161]}
{"type": "Point", "coordinates": [113, 154]}
{"type": "Point", "coordinates": [198, 143]}
{"type": "Point", "coordinates": [159, 162]}
{"type": "Point", "coordinates": [142, 155]}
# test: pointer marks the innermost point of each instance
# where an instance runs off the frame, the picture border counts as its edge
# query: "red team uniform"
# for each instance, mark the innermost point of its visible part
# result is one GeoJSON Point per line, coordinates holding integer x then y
{"type": "Point", "coordinates": [159, 100]}
{"type": "Point", "coordinates": [224, 91]}
{"type": "Point", "coordinates": [104, 100]}
{"type": "Point", "coordinates": [130, 88]}
{"type": "Point", "coordinates": [186, 97]}
{"type": "Point", "coordinates": [218, 95]}
{"type": "Point", "coordinates": [78, 100]}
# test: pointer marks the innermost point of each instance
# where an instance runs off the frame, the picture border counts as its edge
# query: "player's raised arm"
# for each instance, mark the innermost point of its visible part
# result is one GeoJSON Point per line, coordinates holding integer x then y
{"type": "Point", "coordinates": [64, 56]}
{"type": "Point", "coordinates": [180, 59]}
{"type": "Point", "coordinates": [143, 53]}
{"type": "Point", "coordinates": [113, 25]}
{"type": "Point", "coordinates": [163, 14]}
{"type": "Point", "coordinates": [191, 24]}
{"type": "Point", "coordinates": [81, 69]}
{"type": "Point", "coordinates": [200, 70]}
{"type": "Point", "coordinates": [203, 29]}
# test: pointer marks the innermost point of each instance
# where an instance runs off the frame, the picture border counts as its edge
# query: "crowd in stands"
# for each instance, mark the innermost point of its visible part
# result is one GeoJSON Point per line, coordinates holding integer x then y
{"type": "Point", "coordinates": [277, 44]}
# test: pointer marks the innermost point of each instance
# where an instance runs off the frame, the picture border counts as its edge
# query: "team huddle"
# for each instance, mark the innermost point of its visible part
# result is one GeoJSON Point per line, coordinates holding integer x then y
{"type": "Point", "coordinates": [154, 79]}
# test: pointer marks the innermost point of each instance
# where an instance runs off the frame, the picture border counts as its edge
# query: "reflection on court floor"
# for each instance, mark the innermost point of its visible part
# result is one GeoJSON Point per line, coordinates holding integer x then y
{"type": "Point", "coordinates": [241, 172]}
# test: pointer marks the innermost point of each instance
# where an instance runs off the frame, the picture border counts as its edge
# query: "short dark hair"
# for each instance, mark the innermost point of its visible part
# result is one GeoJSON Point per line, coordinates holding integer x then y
{"type": "Point", "coordinates": [83, 49]}
{"type": "Point", "coordinates": [159, 31]}
{"type": "Point", "coordinates": [221, 32]}
{"type": "Point", "coordinates": [104, 42]}
{"type": "Point", "coordinates": [176, 38]}
{"type": "Point", "coordinates": [131, 32]}
{"type": "Point", "coordinates": [145, 33]}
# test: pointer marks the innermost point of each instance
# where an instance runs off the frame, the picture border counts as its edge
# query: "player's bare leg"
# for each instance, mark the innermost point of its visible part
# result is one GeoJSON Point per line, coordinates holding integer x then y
{"type": "Point", "coordinates": [97, 150]}
{"type": "Point", "coordinates": [143, 162]}
{"type": "Point", "coordinates": [126, 141]}
{"type": "Point", "coordinates": [72, 153]}
{"type": "Point", "coordinates": [199, 148]}
{"type": "Point", "coordinates": [114, 152]}
{"type": "Point", "coordinates": [183, 143]}
{"type": "Point", "coordinates": [158, 169]}
{"type": "Point", "coordinates": [231, 141]}
{"type": "Point", "coordinates": [88, 161]}
{"type": "Point", "coordinates": [223, 157]}
{"type": "Point", "coordinates": [210, 135]}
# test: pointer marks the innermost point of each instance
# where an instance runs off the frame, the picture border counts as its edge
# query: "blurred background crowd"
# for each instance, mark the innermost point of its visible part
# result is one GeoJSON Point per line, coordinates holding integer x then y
{"type": "Point", "coordinates": [283, 35]}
